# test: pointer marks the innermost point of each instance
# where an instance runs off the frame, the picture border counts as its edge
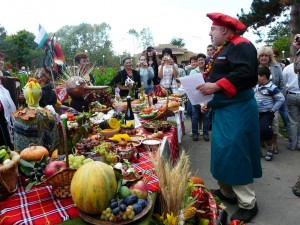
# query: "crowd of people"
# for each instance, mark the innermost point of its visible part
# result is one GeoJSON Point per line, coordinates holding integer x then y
{"type": "Point", "coordinates": [250, 89]}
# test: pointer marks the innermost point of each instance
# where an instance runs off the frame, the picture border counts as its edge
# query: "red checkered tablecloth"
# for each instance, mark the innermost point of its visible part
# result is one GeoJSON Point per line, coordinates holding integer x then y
{"type": "Point", "coordinates": [35, 207]}
{"type": "Point", "coordinates": [38, 206]}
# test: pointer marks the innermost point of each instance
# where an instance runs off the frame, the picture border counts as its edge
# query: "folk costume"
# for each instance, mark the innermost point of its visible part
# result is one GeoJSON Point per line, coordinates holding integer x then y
{"type": "Point", "coordinates": [235, 146]}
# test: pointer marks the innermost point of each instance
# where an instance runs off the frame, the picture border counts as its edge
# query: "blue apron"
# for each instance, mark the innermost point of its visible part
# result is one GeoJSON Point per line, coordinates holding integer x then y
{"type": "Point", "coordinates": [235, 144]}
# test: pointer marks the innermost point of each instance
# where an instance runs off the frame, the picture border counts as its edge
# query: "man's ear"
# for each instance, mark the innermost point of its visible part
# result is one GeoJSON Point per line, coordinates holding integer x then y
{"type": "Point", "coordinates": [224, 30]}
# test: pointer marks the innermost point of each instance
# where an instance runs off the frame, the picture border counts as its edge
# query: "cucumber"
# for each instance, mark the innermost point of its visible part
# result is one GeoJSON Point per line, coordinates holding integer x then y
{"type": "Point", "coordinates": [147, 116]}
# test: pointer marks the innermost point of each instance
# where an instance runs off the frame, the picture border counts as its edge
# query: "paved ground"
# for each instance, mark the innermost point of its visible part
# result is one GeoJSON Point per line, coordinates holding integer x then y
{"type": "Point", "coordinates": [276, 202]}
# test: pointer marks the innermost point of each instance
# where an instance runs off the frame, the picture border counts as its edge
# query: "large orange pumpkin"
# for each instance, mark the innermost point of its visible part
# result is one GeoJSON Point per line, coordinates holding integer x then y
{"type": "Point", "coordinates": [92, 186]}
{"type": "Point", "coordinates": [34, 153]}
{"type": "Point", "coordinates": [197, 180]}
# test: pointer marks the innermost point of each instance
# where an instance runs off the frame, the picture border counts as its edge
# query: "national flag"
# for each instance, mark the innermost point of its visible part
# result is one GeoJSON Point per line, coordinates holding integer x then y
{"type": "Point", "coordinates": [42, 37]}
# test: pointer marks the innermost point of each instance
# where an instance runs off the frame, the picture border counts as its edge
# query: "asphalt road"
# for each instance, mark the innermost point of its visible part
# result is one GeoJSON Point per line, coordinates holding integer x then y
{"type": "Point", "coordinates": [277, 204]}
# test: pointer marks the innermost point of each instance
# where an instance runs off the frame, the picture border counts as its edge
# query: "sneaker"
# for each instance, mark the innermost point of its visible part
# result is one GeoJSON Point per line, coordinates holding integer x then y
{"type": "Point", "coordinates": [195, 137]}
{"type": "Point", "coordinates": [269, 155]}
{"type": "Point", "coordinates": [222, 197]}
{"type": "Point", "coordinates": [244, 215]}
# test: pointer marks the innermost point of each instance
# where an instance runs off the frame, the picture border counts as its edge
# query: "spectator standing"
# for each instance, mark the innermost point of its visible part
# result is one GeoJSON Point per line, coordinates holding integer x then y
{"type": "Point", "coordinates": [23, 71]}
{"type": "Point", "coordinates": [231, 76]}
{"type": "Point", "coordinates": [293, 105]}
{"type": "Point", "coordinates": [146, 74]}
{"type": "Point", "coordinates": [120, 78]}
{"type": "Point", "coordinates": [2, 72]}
{"type": "Point", "coordinates": [269, 99]}
{"type": "Point", "coordinates": [168, 71]}
{"type": "Point", "coordinates": [82, 61]}
{"type": "Point", "coordinates": [153, 61]}
{"type": "Point", "coordinates": [282, 110]}
{"type": "Point", "coordinates": [202, 118]}
{"type": "Point", "coordinates": [48, 94]}
{"type": "Point", "coordinates": [210, 52]}
{"type": "Point", "coordinates": [265, 57]}
{"type": "Point", "coordinates": [181, 71]}
{"type": "Point", "coordinates": [296, 44]}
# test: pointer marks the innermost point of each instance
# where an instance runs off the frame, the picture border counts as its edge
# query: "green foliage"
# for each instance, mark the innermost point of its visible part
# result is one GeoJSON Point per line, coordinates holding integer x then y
{"type": "Point", "coordinates": [104, 75]}
{"type": "Point", "coordinates": [85, 37]}
{"type": "Point", "coordinates": [282, 44]}
{"type": "Point", "coordinates": [144, 37]}
{"type": "Point", "coordinates": [178, 42]}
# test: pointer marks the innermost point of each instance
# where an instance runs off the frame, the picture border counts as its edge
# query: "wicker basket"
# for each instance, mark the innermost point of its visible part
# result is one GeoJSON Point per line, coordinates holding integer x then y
{"type": "Point", "coordinates": [61, 181]}
{"type": "Point", "coordinates": [9, 176]}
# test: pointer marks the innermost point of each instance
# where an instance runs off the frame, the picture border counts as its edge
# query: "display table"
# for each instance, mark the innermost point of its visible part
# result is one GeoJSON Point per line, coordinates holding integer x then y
{"type": "Point", "coordinates": [38, 206]}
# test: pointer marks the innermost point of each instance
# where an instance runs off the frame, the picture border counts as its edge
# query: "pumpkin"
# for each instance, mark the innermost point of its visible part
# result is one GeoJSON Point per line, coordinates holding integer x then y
{"type": "Point", "coordinates": [92, 187]}
{"type": "Point", "coordinates": [34, 153]}
{"type": "Point", "coordinates": [197, 180]}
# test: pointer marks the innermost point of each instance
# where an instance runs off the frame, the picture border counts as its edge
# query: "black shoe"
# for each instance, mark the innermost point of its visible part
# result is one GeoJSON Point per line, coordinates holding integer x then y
{"type": "Point", "coordinates": [244, 215]}
{"type": "Point", "coordinates": [205, 137]}
{"type": "Point", "coordinates": [222, 197]}
{"type": "Point", "coordinates": [195, 137]}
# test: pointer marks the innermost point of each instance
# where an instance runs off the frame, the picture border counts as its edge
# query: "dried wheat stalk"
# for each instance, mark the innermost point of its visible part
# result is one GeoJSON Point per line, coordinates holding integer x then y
{"type": "Point", "coordinates": [172, 181]}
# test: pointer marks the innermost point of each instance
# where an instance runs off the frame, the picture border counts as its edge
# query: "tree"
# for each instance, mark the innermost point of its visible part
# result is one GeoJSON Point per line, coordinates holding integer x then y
{"type": "Point", "coordinates": [179, 42]}
{"type": "Point", "coordinates": [93, 39]}
{"type": "Point", "coordinates": [264, 12]}
{"type": "Point", "coordinates": [21, 50]}
{"type": "Point", "coordinates": [144, 37]}
{"type": "Point", "coordinates": [2, 36]}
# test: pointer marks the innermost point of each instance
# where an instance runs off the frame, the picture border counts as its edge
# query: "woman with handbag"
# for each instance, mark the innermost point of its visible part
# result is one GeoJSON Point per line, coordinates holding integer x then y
{"type": "Point", "coordinates": [146, 73]}
{"type": "Point", "coordinates": [168, 71]}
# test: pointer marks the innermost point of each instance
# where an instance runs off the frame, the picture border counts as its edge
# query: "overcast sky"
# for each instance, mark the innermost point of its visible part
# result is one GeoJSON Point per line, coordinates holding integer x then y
{"type": "Point", "coordinates": [166, 18]}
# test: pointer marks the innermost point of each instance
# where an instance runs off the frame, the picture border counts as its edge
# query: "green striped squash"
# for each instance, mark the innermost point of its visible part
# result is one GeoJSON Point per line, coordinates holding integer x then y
{"type": "Point", "coordinates": [92, 186]}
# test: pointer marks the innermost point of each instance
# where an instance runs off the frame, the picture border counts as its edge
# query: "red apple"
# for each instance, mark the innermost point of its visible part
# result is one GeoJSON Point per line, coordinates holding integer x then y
{"type": "Point", "coordinates": [140, 189]}
{"type": "Point", "coordinates": [54, 167]}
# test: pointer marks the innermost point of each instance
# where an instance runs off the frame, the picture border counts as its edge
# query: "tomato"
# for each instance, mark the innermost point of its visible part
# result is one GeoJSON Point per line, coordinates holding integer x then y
{"type": "Point", "coordinates": [237, 222]}
{"type": "Point", "coordinates": [69, 115]}
{"type": "Point", "coordinates": [147, 110]}
{"type": "Point", "coordinates": [161, 109]}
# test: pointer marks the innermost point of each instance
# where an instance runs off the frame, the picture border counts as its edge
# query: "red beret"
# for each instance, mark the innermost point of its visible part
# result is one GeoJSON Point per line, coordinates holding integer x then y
{"type": "Point", "coordinates": [220, 19]}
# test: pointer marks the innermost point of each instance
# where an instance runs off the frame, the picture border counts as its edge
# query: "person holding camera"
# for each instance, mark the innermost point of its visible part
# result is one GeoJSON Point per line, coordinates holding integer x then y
{"type": "Point", "coordinates": [146, 73]}
{"type": "Point", "coordinates": [168, 71]}
{"type": "Point", "coordinates": [296, 44]}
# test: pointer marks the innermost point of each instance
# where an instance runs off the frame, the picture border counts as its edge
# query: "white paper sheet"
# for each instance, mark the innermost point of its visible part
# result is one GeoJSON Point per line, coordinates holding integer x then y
{"type": "Point", "coordinates": [189, 83]}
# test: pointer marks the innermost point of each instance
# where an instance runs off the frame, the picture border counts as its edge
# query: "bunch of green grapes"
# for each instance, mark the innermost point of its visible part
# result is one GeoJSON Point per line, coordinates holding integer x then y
{"type": "Point", "coordinates": [111, 158]}
{"type": "Point", "coordinates": [75, 162]}
{"type": "Point", "coordinates": [103, 148]}
{"type": "Point", "coordinates": [120, 213]}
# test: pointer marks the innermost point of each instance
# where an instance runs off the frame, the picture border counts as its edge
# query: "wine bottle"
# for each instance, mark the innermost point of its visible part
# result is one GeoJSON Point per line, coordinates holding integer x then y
{"type": "Point", "coordinates": [129, 116]}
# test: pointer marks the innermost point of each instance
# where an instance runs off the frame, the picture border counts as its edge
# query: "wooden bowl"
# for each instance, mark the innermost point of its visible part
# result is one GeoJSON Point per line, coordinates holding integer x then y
{"type": "Point", "coordinates": [109, 132]}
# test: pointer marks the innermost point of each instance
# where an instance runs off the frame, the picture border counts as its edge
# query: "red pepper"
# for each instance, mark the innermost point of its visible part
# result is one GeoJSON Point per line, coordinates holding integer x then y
{"type": "Point", "coordinates": [237, 222]}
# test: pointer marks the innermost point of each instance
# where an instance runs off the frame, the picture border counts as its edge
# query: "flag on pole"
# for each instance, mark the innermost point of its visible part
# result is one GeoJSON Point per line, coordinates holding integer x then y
{"type": "Point", "coordinates": [42, 37]}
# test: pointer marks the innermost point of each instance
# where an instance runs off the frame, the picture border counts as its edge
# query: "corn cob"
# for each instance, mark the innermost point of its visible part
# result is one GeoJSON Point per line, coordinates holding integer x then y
{"type": "Point", "coordinates": [189, 212]}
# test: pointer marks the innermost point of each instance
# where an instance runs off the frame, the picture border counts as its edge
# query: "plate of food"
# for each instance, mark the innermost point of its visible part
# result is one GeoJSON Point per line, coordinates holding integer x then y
{"type": "Point", "coordinates": [96, 219]}
{"type": "Point", "coordinates": [157, 125]}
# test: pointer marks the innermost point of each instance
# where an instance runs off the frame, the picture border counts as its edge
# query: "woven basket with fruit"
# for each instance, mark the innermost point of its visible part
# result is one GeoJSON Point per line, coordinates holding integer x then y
{"type": "Point", "coordinates": [8, 171]}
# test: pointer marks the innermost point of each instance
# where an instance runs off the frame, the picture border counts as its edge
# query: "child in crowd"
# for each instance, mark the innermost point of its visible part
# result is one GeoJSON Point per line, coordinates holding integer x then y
{"type": "Point", "coordinates": [269, 99]}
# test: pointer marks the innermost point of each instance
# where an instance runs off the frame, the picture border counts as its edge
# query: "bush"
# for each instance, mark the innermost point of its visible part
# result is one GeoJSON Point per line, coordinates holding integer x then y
{"type": "Point", "coordinates": [104, 75]}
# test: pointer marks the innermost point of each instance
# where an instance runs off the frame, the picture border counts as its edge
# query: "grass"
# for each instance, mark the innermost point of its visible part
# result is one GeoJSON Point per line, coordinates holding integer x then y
{"type": "Point", "coordinates": [282, 131]}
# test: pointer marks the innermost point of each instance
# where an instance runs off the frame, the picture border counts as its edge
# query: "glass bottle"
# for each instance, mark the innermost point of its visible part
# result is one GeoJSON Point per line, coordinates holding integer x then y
{"type": "Point", "coordinates": [129, 116]}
